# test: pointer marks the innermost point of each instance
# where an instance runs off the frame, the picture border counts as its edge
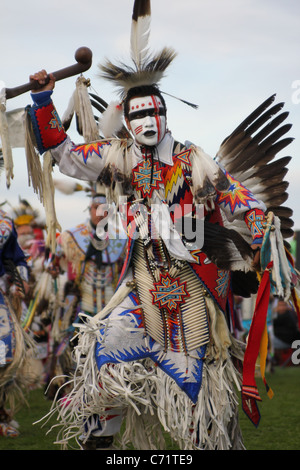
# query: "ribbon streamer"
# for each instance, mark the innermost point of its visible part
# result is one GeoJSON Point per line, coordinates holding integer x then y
{"type": "Point", "coordinates": [256, 344]}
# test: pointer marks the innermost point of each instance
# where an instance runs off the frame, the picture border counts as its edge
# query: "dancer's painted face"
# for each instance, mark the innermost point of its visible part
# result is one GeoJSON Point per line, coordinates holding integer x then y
{"type": "Point", "coordinates": [147, 120]}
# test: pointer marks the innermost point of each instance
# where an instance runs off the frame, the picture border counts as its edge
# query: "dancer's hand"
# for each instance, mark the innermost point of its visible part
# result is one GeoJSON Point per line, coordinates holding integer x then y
{"type": "Point", "coordinates": [45, 81]}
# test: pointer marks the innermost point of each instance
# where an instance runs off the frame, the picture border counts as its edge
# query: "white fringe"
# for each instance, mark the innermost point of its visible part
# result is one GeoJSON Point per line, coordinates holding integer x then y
{"type": "Point", "coordinates": [281, 272]}
{"type": "Point", "coordinates": [16, 377]}
{"type": "Point", "coordinates": [48, 202]}
{"type": "Point", "coordinates": [84, 110]}
{"type": "Point", "coordinates": [151, 401]}
{"type": "Point", "coordinates": [4, 135]}
{"type": "Point", "coordinates": [34, 167]}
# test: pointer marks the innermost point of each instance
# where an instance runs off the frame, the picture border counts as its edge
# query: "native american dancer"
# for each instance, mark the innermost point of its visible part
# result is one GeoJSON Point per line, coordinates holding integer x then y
{"type": "Point", "coordinates": [92, 267]}
{"type": "Point", "coordinates": [30, 228]}
{"type": "Point", "coordinates": [161, 353]}
{"type": "Point", "coordinates": [14, 345]}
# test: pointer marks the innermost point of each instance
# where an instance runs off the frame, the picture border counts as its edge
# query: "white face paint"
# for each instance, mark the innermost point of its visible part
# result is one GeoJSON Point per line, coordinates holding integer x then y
{"type": "Point", "coordinates": [147, 117]}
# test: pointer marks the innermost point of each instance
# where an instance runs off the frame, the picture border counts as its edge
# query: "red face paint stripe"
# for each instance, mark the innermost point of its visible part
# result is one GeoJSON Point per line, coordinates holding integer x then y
{"type": "Point", "coordinates": [139, 129]}
{"type": "Point", "coordinates": [157, 116]}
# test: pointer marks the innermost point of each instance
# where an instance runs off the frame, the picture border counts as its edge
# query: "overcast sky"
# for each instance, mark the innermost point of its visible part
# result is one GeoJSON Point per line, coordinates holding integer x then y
{"type": "Point", "coordinates": [232, 55]}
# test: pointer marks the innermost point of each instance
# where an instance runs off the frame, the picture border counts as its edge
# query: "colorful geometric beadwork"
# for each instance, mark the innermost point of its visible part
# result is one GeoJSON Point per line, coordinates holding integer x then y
{"type": "Point", "coordinates": [255, 219]}
{"type": "Point", "coordinates": [47, 127]}
{"type": "Point", "coordinates": [88, 150]}
{"type": "Point", "coordinates": [222, 283]}
{"type": "Point", "coordinates": [142, 177]}
{"type": "Point", "coordinates": [184, 156]}
{"type": "Point", "coordinates": [55, 122]}
{"type": "Point", "coordinates": [169, 293]}
{"type": "Point", "coordinates": [236, 196]}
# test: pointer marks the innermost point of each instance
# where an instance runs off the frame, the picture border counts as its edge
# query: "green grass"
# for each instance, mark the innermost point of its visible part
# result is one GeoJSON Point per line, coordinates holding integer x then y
{"type": "Point", "coordinates": [279, 428]}
{"type": "Point", "coordinates": [32, 436]}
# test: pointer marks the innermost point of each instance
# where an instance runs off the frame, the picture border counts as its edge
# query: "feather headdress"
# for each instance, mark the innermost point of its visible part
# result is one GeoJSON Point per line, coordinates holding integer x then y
{"type": "Point", "coordinates": [24, 213]}
{"type": "Point", "coordinates": [147, 68]}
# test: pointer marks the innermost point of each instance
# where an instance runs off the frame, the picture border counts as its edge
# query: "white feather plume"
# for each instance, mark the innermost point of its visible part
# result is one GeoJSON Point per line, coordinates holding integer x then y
{"type": "Point", "coordinates": [207, 176]}
{"type": "Point", "coordinates": [140, 32]}
{"type": "Point", "coordinates": [66, 186]}
{"type": "Point", "coordinates": [69, 112]}
{"type": "Point", "coordinates": [112, 120]}
{"type": "Point", "coordinates": [147, 68]}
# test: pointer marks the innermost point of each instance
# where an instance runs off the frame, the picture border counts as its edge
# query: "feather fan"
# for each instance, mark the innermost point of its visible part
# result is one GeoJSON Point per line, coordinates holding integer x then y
{"type": "Point", "coordinates": [226, 248]}
{"type": "Point", "coordinates": [249, 154]}
{"type": "Point", "coordinates": [229, 251]}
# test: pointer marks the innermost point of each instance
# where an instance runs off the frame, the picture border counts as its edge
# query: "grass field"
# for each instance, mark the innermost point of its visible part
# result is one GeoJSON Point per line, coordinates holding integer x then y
{"type": "Point", "coordinates": [279, 428]}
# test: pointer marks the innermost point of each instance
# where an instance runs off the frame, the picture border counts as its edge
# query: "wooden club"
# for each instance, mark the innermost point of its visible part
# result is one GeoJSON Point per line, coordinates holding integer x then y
{"type": "Point", "coordinates": [83, 57]}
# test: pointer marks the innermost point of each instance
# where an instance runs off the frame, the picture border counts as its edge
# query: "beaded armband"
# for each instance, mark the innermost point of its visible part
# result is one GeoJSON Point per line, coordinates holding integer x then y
{"type": "Point", "coordinates": [255, 219]}
{"type": "Point", "coordinates": [47, 126]}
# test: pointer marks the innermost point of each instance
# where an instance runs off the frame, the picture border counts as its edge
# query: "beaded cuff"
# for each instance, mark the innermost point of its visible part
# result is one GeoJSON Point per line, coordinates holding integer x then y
{"type": "Point", "coordinates": [47, 126]}
{"type": "Point", "coordinates": [255, 218]}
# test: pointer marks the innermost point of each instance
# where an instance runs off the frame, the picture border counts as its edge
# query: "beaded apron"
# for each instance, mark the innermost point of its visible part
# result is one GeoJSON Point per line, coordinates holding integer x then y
{"type": "Point", "coordinates": [172, 298]}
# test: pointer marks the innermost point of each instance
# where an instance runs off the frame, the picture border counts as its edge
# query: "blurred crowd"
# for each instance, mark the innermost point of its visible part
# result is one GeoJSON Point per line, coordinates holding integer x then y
{"type": "Point", "coordinates": [282, 327]}
{"type": "Point", "coordinates": [41, 296]}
